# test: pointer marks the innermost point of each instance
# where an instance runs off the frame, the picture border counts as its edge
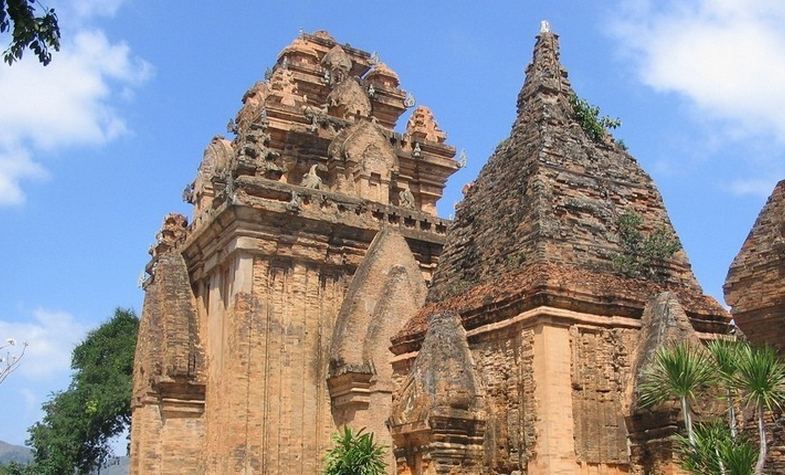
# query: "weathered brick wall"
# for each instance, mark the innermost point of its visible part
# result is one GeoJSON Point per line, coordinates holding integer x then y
{"type": "Point", "coordinates": [504, 368]}
{"type": "Point", "coordinates": [600, 374]}
{"type": "Point", "coordinates": [268, 408]}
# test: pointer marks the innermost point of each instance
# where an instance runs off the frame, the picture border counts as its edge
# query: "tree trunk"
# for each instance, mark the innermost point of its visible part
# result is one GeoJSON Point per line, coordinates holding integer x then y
{"type": "Point", "coordinates": [685, 408]}
{"type": "Point", "coordinates": [731, 415]}
{"type": "Point", "coordinates": [763, 444]}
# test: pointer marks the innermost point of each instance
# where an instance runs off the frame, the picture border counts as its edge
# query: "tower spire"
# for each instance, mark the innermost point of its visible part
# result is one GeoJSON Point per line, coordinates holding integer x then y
{"type": "Point", "coordinates": [545, 75]}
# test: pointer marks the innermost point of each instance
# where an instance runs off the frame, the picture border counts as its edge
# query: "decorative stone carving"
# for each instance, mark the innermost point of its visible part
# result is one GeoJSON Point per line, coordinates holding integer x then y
{"type": "Point", "coordinates": [284, 88]}
{"type": "Point", "coordinates": [311, 179]}
{"type": "Point", "coordinates": [422, 126]}
{"type": "Point", "coordinates": [406, 199]}
{"type": "Point", "coordinates": [217, 158]}
{"type": "Point", "coordinates": [173, 232]}
{"type": "Point", "coordinates": [253, 103]}
{"type": "Point", "coordinates": [382, 76]}
{"type": "Point", "coordinates": [363, 162]}
{"type": "Point", "coordinates": [348, 100]}
{"type": "Point", "coordinates": [338, 63]}
{"type": "Point", "coordinates": [438, 418]}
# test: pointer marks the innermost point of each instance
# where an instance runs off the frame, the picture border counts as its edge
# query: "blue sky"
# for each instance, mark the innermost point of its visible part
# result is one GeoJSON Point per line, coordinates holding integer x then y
{"type": "Point", "coordinates": [97, 147]}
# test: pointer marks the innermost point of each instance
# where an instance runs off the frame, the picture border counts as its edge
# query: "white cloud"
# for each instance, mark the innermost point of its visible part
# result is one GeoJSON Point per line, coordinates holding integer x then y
{"type": "Point", "coordinates": [727, 57]}
{"type": "Point", "coordinates": [70, 103]}
{"type": "Point", "coordinates": [51, 337]}
{"type": "Point", "coordinates": [753, 187]}
{"type": "Point", "coordinates": [92, 8]}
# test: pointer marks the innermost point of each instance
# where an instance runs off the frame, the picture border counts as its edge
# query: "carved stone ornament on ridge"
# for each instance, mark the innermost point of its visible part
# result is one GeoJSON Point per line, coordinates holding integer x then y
{"type": "Point", "coordinates": [311, 179]}
{"type": "Point", "coordinates": [284, 87]}
{"type": "Point", "coordinates": [253, 103]}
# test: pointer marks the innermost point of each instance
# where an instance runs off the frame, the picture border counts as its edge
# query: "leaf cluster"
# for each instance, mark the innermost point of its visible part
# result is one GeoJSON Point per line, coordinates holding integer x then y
{"type": "Point", "coordinates": [588, 116]}
{"type": "Point", "coordinates": [355, 454]}
{"type": "Point", "coordinates": [724, 369]}
{"type": "Point", "coordinates": [78, 423]}
{"type": "Point", "coordinates": [681, 371]}
{"type": "Point", "coordinates": [38, 32]}
{"type": "Point", "coordinates": [716, 452]}
{"type": "Point", "coordinates": [641, 253]}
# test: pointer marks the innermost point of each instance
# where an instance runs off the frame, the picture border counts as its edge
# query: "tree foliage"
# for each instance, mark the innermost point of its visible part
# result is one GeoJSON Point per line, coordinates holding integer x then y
{"type": "Point", "coordinates": [588, 116]}
{"type": "Point", "coordinates": [727, 370]}
{"type": "Point", "coordinates": [78, 423]}
{"type": "Point", "coordinates": [32, 27]}
{"type": "Point", "coordinates": [716, 451]}
{"type": "Point", "coordinates": [355, 454]}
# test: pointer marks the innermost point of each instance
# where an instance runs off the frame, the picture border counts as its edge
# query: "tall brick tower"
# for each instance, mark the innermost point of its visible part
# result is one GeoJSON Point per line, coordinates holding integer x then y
{"type": "Point", "coordinates": [545, 307]}
{"type": "Point", "coordinates": [267, 318]}
{"type": "Point", "coordinates": [755, 286]}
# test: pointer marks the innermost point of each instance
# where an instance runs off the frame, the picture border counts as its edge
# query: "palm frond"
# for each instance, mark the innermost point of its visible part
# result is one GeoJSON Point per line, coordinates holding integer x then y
{"type": "Point", "coordinates": [679, 371]}
{"type": "Point", "coordinates": [761, 377]}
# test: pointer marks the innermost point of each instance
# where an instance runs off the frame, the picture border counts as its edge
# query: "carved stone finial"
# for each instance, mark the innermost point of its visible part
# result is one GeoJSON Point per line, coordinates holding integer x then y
{"type": "Point", "coordinates": [409, 101]}
{"type": "Point", "coordinates": [173, 232]}
{"type": "Point", "coordinates": [463, 159]}
{"type": "Point", "coordinates": [545, 26]}
{"type": "Point", "coordinates": [417, 151]}
{"type": "Point", "coordinates": [423, 126]}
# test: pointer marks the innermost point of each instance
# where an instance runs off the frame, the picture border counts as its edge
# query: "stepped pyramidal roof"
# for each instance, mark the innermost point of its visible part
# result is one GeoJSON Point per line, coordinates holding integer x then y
{"type": "Point", "coordinates": [754, 285]}
{"type": "Point", "coordinates": [541, 223]}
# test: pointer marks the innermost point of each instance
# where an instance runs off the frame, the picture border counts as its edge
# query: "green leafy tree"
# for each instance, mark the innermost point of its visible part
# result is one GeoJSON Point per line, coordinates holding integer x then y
{"type": "Point", "coordinates": [32, 26]}
{"type": "Point", "coordinates": [761, 382]}
{"type": "Point", "coordinates": [682, 372]}
{"type": "Point", "coordinates": [78, 423]}
{"type": "Point", "coordinates": [355, 454]}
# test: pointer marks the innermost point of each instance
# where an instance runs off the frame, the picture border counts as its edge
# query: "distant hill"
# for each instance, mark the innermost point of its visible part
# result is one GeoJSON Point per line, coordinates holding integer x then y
{"type": "Point", "coordinates": [17, 453]}
{"type": "Point", "coordinates": [116, 466]}
{"type": "Point", "coordinates": [14, 453]}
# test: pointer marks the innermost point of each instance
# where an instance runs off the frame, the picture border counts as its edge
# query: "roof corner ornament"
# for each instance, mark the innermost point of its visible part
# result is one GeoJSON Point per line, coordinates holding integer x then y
{"type": "Point", "coordinates": [409, 100]}
{"type": "Point", "coordinates": [417, 151]}
{"type": "Point", "coordinates": [374, 59]}
{"type": "Point", "coordinates": [545, 26]}
{"type": "Point", "coordinates": [463, 159]}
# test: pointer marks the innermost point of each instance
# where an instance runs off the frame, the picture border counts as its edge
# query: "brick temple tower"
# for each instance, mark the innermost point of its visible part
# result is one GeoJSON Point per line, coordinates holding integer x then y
{"type": "Point", "coordinates": [267, 318]}
{"type": "Point", "coordinates": [755, 286]}
{"type": "Point", "coordinates": [544, 309]}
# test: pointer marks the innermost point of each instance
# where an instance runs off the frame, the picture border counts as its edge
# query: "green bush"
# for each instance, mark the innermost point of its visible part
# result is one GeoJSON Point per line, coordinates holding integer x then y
{"type": "Point", "coordinates": [641, 253]}
{"type": "Point", "coordinates": [355, 454]}
{"type": "Point", "coordinates": [588, 116]}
